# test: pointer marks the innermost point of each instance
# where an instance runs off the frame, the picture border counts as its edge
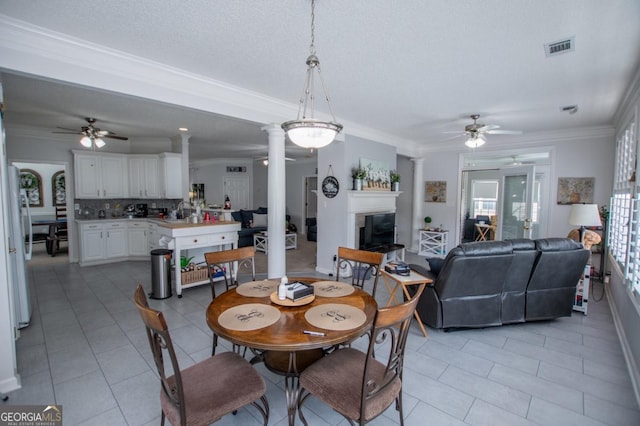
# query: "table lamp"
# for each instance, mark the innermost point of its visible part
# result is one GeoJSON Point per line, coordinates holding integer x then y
{"type": "Point", "coordinates": [584, 215]}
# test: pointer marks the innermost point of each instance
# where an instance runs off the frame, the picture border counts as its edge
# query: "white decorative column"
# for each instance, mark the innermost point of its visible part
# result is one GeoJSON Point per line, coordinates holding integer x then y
{"type": "Point", "coordinates": [276, 202]}
{"type": "Point", "coordinates": [416, 205]}
{"type": "Point", "coordinates": [181, 144]}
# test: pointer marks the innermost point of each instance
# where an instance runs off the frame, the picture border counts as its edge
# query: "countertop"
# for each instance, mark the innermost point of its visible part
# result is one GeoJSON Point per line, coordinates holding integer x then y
{"type": "Point", "coordinates": [179, 224]}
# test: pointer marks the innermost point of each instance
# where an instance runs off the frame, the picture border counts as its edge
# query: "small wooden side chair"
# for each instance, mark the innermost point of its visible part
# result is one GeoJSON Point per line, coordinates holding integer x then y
{"type": "Point", "coordinates": [230, 263]}
{"type": "Point", "coordinates": [362, 264]}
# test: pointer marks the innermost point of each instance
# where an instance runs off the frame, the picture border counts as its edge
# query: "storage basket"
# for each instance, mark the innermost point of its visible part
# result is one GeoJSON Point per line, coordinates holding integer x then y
{"type": "Point", "coordinates": [194, 276]}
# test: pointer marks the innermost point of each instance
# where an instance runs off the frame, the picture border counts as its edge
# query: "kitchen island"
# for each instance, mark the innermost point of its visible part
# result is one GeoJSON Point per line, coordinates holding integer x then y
{"type": "Point", "coordinates": [178, 236]}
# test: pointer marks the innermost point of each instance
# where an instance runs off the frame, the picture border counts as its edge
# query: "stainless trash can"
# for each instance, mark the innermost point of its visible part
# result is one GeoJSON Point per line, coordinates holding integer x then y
{"type": "Point", "coordinates": [160, 274]}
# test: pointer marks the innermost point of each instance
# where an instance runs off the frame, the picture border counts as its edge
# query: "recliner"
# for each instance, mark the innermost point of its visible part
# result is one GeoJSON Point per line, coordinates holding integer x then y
{"type": "Point", "coordinates": [468, 290]}
{"type": "Point", "coordinates": [552, 286]}
{"type": "Point", "coordinates": [492, 283]}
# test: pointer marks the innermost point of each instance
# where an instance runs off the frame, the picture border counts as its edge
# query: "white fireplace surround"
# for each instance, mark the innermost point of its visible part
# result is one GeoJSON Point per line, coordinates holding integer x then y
{"type": "Point", "coordinates": [366, 202]}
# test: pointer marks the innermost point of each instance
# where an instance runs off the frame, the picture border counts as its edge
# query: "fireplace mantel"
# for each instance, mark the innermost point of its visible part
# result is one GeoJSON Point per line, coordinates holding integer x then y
{"type": "Point", "coordinates": [371, 201]}
{"type": "Point", "coordinates": [359, 202]}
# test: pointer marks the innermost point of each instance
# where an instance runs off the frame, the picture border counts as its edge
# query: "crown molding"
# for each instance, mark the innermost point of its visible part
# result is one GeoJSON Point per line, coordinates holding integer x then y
{"type": "Point", "coordinates": [29, 49]}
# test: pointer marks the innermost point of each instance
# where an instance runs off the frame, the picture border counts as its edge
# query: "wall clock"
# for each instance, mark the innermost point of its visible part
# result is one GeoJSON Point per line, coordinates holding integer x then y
{"type": "Point", "coordinates": [330, 186]}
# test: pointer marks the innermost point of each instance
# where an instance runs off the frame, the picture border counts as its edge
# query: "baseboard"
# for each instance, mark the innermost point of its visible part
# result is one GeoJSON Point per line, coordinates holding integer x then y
{"type": "Point", "coordinates": [10, 384]}
{"type": "Point", "coordinates": [632, 367]}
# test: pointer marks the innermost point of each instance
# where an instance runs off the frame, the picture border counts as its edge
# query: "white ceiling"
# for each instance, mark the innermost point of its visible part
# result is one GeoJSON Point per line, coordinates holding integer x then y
{"type": "Point", "coordinates": [412, 69]}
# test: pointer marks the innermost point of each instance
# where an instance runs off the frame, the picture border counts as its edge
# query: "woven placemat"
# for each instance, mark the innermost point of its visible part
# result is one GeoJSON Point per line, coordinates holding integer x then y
{"type": "Point", "coordinates": [257, 288]}
{"type": "Point", "coordinates": [332, 289]}
{"type": "Point", "coordinates": [250, 316]}
{"type": "Point", "coordinates": [335, 316]}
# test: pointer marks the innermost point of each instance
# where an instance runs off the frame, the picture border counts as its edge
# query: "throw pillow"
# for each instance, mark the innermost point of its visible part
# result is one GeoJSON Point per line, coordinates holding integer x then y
{"type": "Point", "coordinates": [237, 216]}
{"type": "Point", "coordinates": [247, 217]}
{"type": "Point", "coordinates": [259, 220]}
{"type": "Point", "coordinates": [435, 264]}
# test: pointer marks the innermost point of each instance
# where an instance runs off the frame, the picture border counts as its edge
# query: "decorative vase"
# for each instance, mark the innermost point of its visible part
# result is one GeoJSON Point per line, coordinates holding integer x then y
{"type": "Point", "coordinates": [395, 186]}
{"type": "Point", "coordinates": [357, 184]}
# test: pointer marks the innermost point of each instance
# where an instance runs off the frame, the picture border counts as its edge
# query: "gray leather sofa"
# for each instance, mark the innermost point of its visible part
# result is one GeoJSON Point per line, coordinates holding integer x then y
{"type": "Point", "coordinates": [490, 283]}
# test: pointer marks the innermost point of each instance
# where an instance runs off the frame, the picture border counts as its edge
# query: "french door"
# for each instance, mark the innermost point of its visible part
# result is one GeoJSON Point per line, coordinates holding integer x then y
{"type": "Point", "coordinates": [518, 203]}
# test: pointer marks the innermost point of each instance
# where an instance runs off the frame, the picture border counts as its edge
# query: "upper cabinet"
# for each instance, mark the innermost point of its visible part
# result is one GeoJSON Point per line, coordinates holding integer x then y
{"type": "Point", "coordinates": [171, 175]}
{"type": "Point", "coordinates": [100, 175]}
{"type": "Point", "coordinates": [104, 175]}
{"type": "Point", "coordinates": [144, 176]}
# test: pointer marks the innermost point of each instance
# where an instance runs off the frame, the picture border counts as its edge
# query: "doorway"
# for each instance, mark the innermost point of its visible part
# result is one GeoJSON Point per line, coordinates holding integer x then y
{"type": "Point", "coordinates": [510, 192]}
{"type": "Point", "coordinates": [310, 199]}
{"type": "Point", "coordinates": [237, 189]}
{"type": "Point", "coordinates": [48, 192]}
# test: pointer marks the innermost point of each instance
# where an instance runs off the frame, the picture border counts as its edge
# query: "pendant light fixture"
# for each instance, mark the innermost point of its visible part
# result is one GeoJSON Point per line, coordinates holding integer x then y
{"type": "Point", "coordinates": [306, 131]}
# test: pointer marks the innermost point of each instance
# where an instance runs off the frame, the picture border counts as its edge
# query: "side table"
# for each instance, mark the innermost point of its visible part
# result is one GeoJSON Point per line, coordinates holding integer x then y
{"type": "Point", "coordinates": [395, 281]}
{"type": "Point", "coordinates": [261, 241]}
{"type": "Point", "coordinates": [433, 243]}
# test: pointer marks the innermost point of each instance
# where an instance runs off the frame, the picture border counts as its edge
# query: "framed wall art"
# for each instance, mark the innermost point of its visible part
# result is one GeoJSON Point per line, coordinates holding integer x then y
{"type": "Point", "coordinates": [435, 191]}
{"type": "Point", "coordinates": [31, 181]}
{"type": "Point", "coordinates": [575, 190]}
{"type": "Point", "coordinates": [58, 189]}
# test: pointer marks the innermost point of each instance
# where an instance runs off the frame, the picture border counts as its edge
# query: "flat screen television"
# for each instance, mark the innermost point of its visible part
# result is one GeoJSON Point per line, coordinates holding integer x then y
{"type": "Point", "coordinates": [378, 230]}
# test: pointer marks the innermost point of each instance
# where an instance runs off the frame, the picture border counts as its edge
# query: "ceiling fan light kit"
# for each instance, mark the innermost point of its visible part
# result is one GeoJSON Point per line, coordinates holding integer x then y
{"type": "Point", "coordinates": [476, 132]}
{"type": "Point", "coordinates": [91, 135]}
{"type": "Point", "coordinates": [306, 131]}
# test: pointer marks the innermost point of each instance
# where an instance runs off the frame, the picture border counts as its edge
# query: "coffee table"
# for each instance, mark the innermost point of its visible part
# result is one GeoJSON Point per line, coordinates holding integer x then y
{"type": "Point", "coordinates": [261, 241]}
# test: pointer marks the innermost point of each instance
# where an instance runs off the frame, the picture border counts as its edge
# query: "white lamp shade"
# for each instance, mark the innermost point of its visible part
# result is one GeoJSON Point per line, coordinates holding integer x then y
{"type": "Point", "coordinates": [99, 143]}
{"type": "Point", "coordinates": [311, 133]}
{"type": "Point", "coordinates": [86, 141]}
{"type": "Point", "coordinates": [584, 215]}
{"type": "Point", "coordinates": [475, 142]}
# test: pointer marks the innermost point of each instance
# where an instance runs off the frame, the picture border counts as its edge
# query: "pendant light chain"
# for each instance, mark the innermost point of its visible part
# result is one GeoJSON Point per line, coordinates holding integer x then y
{"type": "Point", "coordinates": [306, 130]}
{"type": "Point", "coordinates": [312, 47]}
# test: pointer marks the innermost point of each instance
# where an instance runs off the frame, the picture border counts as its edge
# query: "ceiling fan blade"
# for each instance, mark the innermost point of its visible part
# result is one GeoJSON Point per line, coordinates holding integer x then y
{"type": "Point", "coordinates": [488, 127]}
{"type": "Point", "coordinates": [122, 138]}
{"type": "Point", "coordinates": [456, 132]}
{"type": "Point", "coordinates": [505, 132]}
{"type": "Point", "coordinates": [70, 130]}
{"type": "Point", "coordinates": [70, 133]}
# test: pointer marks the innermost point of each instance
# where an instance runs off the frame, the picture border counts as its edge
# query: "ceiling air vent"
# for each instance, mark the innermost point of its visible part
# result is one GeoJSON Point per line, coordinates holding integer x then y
{"type": "Point", "coordinates": [558, 47]}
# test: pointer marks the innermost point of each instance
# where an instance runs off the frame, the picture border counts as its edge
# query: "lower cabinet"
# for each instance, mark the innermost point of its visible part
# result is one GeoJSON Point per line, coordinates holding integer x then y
{"type": "Point", "coordinates": [138, 239]}
{"type": "Point", "coordinates": [103, 241]}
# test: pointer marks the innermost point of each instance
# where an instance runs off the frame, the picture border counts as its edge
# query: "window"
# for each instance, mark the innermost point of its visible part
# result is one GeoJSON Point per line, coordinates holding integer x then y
{"type": "Point", "coordinates": [624, 217]}
{"type": "Point", "coordinates": [484, 196]}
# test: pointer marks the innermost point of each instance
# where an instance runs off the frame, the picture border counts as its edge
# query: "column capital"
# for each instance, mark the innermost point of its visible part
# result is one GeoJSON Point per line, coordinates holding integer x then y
{"type": "Point", "coordinates": [417, 160]}
{"type": "Point", "coordinates": [273, 129]}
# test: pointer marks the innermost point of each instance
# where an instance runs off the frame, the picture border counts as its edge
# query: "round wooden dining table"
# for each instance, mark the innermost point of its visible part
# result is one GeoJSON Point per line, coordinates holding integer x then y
{"type": "Point", "coordinates": [284, 346]}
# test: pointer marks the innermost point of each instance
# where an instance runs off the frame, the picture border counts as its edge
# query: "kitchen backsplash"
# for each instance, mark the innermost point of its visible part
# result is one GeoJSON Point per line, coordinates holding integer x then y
{"type": "Point", "coordinates": [88, 209]}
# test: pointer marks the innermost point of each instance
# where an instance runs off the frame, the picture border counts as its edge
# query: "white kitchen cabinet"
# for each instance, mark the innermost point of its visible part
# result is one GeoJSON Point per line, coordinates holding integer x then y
{"type": "Point", "coordinates": [100, 175]}
{"type": "Point", "coordinates": [153, 237]}
{"type": "Point", "coordinates": [138, 239]}
{"type": "Point", "coordinates": [102, 241]}
{"type": "Point", "coordinates": [144, 177]}
{"type": "Point", "coordinates": [171, 175]}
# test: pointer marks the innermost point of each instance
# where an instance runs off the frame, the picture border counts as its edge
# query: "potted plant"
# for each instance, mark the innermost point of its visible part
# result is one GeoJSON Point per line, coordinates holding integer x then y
{"type": "Point", "coordinates": [427, 221]}
{"type": "Point", "coordinates": [358, 174]}
{"type": "Point", "coordinates": [394, 178]}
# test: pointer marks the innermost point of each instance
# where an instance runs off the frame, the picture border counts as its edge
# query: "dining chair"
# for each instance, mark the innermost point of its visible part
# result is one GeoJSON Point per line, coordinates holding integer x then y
{"type": "Point", "coordinates": [204, 392]}
{"type": "Point", "coordinates": [59, 231]}
{"type": "Point", "coordinates": [360, 385]}
{"type": "Point", "coordinates": [227, 264]}
{"type": "Point", "coordinates": [362, 264]}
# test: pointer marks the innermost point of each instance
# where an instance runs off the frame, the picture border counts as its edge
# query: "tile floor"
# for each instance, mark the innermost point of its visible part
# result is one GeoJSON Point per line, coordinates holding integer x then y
{"type": "Point", "coordinates": [87, 350]}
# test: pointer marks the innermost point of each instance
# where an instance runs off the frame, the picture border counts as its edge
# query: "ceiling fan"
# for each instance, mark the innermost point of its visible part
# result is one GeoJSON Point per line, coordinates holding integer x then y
{"type": "Point", "coordinates": [476, 132]}
{"type": "Point", "coordinates": [265, 159]}
{"type": "Point", "coordinates": [92, 135]}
